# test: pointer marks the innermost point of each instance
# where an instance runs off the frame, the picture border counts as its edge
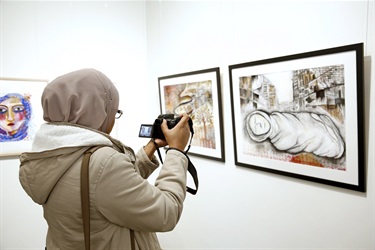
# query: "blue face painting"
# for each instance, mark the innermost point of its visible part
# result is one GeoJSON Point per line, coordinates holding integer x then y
{"type": "Point", "coordinates": [15, 115]}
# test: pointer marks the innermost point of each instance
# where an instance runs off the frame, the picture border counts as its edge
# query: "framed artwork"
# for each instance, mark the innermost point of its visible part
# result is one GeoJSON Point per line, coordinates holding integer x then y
{"type": "Point", "coordinates": [302, 116]}
{"type": "Point", "coordinates": [198, 94]}
{"type": "Point", "coordinates": [21, 113]}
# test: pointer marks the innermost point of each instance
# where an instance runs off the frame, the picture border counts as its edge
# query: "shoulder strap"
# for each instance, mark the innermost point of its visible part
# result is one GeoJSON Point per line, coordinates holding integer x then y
{"type": "Point", "coordinates": [85, 198]}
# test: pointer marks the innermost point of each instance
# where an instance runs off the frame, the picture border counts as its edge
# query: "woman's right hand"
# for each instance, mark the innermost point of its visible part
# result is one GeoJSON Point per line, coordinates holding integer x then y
{"type": "Point", "coordinates": [178, 136]}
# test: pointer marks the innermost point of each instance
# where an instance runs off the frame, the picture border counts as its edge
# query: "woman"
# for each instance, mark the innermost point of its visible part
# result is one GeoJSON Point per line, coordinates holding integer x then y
{"type": "Point", "coordinates": [80, 109]}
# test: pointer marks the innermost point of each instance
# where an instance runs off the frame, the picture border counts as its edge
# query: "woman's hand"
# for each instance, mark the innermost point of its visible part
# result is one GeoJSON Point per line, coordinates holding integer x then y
{"type": "Point", "coordinates": [160, 143]}
{"type": "Point", "coordinates": [178, 136]}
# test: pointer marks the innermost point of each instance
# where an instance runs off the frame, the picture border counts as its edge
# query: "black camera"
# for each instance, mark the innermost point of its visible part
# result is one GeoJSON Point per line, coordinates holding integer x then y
{"type": "Point", "coordinates": [154, 130]}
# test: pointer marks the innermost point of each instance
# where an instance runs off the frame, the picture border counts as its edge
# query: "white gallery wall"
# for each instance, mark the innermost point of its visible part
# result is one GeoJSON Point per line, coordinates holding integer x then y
{"type": "Point", "coordinates": [134, 43]}
{"type": "Point", "coordinates": [46, 39]}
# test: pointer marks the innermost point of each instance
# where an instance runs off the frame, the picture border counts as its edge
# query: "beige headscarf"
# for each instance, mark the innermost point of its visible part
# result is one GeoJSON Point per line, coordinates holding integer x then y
{"type": "Point", "coordinates": [86, 97]}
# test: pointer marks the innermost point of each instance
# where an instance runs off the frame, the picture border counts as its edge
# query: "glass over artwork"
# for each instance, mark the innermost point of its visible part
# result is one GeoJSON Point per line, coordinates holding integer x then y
{"type": "Point", "coordinates": [297, 116]}
{"type": "Point", "coordinates": [197, 94]}
{"type": "Point", "coordinates": [301, 115]}
{"type": "Point", "coordinates": [15, 116]}
{"type": "Point", "coordinates": [195, 99]}
{"type": "Point", "coordinates": [20, 114]}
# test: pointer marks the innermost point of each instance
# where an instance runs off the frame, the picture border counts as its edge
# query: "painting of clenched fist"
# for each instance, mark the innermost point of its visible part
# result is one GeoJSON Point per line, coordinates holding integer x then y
{"type": "Point", "coordinates": [302, 116]}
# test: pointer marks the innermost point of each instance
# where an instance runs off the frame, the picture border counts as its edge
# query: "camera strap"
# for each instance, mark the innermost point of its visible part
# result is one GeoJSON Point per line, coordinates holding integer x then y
{"type": "Point", "coordinates": [191, 169]}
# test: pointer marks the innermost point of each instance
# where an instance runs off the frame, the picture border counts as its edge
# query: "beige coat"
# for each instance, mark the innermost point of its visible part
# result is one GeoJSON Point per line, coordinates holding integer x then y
{"type": "Point", "coordinates": [120, 196]}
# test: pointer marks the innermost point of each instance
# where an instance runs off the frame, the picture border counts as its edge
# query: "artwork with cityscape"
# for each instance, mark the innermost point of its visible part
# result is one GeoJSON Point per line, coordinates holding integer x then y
{"type": "Point", "coordinates": [295, 116]}
{"type": "Point", "coordinates": [197, 94]}
{"type": "Point", "coordinates": [194, 99]}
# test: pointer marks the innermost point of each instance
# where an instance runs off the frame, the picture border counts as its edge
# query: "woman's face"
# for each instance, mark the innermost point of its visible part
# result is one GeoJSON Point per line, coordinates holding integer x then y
{"type": "Point", "coordinates": [12, 115]}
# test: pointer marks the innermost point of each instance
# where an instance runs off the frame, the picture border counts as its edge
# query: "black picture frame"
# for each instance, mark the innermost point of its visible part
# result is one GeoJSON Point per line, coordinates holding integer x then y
{"type": "Point", "coordinates": [197, 93]}
{"type": "Point", "coordinates": [301, 116]}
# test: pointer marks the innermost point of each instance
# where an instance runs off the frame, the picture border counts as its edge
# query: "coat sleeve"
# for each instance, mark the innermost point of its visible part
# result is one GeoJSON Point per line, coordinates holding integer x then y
{"type": "Point", "coordinates": [144, 165]}
{"type": "Point", "coordinates": [125, 198]}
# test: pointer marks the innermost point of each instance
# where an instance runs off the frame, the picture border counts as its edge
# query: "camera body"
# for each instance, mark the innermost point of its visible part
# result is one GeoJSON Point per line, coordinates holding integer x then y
{"type": "Point", "coordinates": [155, 131]}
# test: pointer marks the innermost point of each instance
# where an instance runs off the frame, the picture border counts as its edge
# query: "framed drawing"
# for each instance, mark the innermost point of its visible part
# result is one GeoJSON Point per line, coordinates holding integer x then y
{"type": "Point", "coordinates": [198, 94]}
{"type": "Point", "coordinates": [302, 115]}
{"type": "Point", "coordinates": [20, 113]}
